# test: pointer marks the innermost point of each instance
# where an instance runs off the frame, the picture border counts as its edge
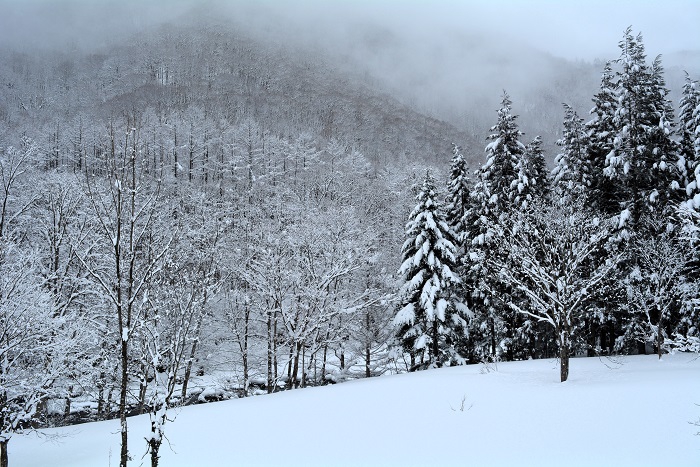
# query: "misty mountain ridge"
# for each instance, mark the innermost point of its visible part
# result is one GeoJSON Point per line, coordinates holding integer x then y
{"type": "Point", "coordinates": [389, 94]}
{"type": "Point", "coordinates": [227, 74]}
{"type": "Point", "coordinates": [457, 76]}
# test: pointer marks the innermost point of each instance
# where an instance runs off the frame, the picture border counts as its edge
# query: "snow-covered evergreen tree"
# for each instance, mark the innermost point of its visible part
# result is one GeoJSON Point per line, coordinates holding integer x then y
{"type": "Point", "coordinates": [501, 174]}
{"type": "Point", "coordinates": [572, 172]}
{"type": "Point", "coordinates": [458, 188]}
{"type": "Point", "coordinates": [640, 167]}
{"type": "Point", "coordinates": [495, 329]}
{"type": "Point", "coordinates": [604, 194]}
{"type": "Point", "coordinates": [429, 321]}
{"type": "Point", "coordinates": [496, 186]}
{"type": "Point", "coordinates": [689, 145]}
{"type": "Point", "coordinates": [641, 159]}
{"type": "Point", "coordinates": [532, 175]}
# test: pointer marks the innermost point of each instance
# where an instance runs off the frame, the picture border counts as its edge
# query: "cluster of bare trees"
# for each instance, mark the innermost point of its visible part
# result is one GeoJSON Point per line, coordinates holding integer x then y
{"type": "Point", "coordinates": [131, 263]}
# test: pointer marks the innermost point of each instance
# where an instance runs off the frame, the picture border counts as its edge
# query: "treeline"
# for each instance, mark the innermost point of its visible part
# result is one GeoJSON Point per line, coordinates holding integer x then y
{"type": "Point", "coordinates": [163, 218]}
{"type": "Point", "coordinates": [160, 248]}
{"type": "Point", "coordinates": [598, 257]}
{"type": "Point", "coordinates": [215, 75]}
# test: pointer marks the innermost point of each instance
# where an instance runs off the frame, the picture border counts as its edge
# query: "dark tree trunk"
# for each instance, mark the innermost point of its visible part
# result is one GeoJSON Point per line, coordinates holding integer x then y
{"type": "Point", "coordinates": [323, 363]}
{"type": "Point", "coordinates": [3, 452]}
{"type": "Point", "coordinates": [66, 408]}
{"type": "Point", "coordinates": [100, 396]}
{"type": "Point", "coordinates": [154, 447]}
{"type": "Point", "coordinates": [108, 401]}
{"type": "Point", "coordinates": [4, 462]}
{"type": "Point", "coordinates": [188, 371]}
{"type": "Point", "coordinates": [270, 340]}
{"type": "Point", "coordinates": [295, 370]}
{"type": "Point", "coordinates": [124, 453]}
{"type": "Point", "coordinates": [435, 345]}
{"type": "Point", "coordinates": [274, 348]}
{"type": "Point", "coordinates": [303, 367]}
{"type": "Point", "coordinates": [368, 373]}
{"type": "Point", "coordinates": [564, 341]}
{"type": "Point", "coordinates": [492, 328]}
{"type": "Point", "coordinates": [592, 338]}
{"type": "Point", "coordinates": [143, 386]}
{"type": "Point", "coordinates": [368, 345]}
{"type": "Point", "coordinates": [246, 376]}
{"type": "Point", "coordinates": [564, 361]}
{"type": "Point", "coordinates": [659, 339]}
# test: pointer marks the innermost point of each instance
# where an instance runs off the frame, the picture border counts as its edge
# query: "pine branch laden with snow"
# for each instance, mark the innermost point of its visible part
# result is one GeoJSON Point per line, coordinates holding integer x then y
{"type": "Point", "coordinates": [554, 259]}
{"type": "Point", "coordinates": [681, 343]}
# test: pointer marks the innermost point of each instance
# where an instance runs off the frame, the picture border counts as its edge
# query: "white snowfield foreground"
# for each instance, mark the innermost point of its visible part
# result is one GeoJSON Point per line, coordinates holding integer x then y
{"type": "Point", "coordinates": [630, 411]}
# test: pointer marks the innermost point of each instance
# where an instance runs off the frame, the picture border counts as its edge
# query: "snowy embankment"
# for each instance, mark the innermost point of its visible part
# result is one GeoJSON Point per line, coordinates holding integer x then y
{"type": "Point", "coordinates": [627, 411]}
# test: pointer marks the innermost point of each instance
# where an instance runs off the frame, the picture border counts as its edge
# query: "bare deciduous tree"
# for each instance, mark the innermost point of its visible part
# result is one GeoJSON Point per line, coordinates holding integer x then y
{"type": "Point", "coordinates": [556, 258]}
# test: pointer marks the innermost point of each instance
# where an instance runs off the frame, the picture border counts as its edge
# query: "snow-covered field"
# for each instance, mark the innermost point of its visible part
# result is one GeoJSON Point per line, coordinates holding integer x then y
{"type": "Point", "coordinates": [630, 411]}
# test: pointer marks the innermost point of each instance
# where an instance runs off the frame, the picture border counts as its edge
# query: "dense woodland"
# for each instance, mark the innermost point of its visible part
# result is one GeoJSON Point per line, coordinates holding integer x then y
{"type": "Point", "coordinates": [196, 205]}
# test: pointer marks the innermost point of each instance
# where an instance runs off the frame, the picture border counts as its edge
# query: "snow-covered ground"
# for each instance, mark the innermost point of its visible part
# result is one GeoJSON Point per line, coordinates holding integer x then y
{"type": "Point", "coordinates": [630, 411]}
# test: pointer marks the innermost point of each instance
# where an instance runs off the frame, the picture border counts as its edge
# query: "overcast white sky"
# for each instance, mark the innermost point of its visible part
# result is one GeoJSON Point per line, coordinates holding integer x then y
{"type": "Point", "coordinates": [570, 29]}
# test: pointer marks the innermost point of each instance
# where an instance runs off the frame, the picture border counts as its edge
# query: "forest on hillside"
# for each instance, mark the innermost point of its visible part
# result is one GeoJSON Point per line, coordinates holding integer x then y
{"type": "Point", "coordinates": [187, 205]}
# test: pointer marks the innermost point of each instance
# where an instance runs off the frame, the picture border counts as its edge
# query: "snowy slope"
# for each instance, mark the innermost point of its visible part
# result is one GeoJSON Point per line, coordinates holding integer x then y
{"type": "Point", "coordinates": [631, 411]}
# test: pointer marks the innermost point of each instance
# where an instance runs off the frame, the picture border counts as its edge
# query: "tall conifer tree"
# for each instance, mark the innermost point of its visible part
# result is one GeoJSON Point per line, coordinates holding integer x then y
{"type": "Point", "coordinates": [429, 321]}
{"type": "Point", "coordinates": [689, 146]}
{"type": "Point", "coordinates": [495, 330]}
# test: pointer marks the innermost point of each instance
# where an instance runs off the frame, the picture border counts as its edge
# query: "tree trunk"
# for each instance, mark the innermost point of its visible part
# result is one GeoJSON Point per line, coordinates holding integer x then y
{"type": "Point", "coordinates": [108, 401]}
{"type": "Point", "coordinates": [66, 408]}
{"type": "Point", "coordinates": [323, 363]}
{"type": "Point", "coordinates": [295, 370]}
{"type": "Point", "coordinates": [274, 348]}
{"type": "Point", "coordinates": [492, 328]}
{"type": "Point", "coordinates": [143, 386]}
{"type": "Point", "coordinates": [3, 452]}
{"type": "Point", "coordinates": [564, 338]}
{"type": "Point", "coordinates": [435, 350]}
{"type": "Point", "coordinates": [368, 373]}
{"type": "Point", "coordinates": [124, 453]}
{"type": "Point", "coordinates": [303, 367]}
{"type": "Point", "coordinates": [592, 337]}
{"type": "Point", "coordinates": [564, 359]}
{"type": "Point", "coordinates": [245, 350]}
{"type": "Point", "coordinates": [270, 339]}
{"type": "Point", "coordinates": [188, 371]}
{"type": "Point", "coordinates": [100, 396]}
{"type": "Point", "coordinates": [154, 445]}
{"type": "Point", "coordinates": [659, 338]}
{"type": "Point", "coordinates": [368, 345]}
